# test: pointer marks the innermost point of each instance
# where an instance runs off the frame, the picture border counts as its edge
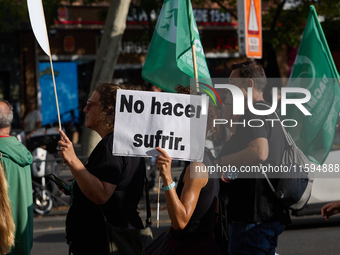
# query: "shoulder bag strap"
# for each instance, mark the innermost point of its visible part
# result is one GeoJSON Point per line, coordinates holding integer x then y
{"type": "Point", "coordinates": [289, 140]}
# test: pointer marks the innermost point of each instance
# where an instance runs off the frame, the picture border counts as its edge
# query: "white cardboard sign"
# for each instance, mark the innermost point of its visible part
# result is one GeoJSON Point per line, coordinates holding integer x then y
{"type": "Point", "coordinates": [146, 120]}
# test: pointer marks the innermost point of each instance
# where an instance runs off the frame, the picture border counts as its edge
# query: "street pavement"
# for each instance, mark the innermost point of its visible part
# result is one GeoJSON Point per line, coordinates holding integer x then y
{"type": "Point", "coordinates": [308, 235]}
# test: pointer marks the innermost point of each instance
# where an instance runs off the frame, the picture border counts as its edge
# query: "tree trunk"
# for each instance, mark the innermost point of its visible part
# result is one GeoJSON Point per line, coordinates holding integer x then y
{"type": "Point", "coordinates": [106, 60]}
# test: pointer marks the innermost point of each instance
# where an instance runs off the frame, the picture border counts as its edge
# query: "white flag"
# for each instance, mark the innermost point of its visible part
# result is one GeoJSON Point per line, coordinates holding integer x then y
{"type": "Point", "coordinates": [37, 17]}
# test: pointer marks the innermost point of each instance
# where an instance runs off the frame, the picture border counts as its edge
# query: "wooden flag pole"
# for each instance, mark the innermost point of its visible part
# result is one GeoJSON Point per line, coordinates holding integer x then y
{"type": "Point", "coordinates": [55, 92]}
{"type": "Point", "coordinates": [158, 205]}
{"type": "Point", "coordinates": [48, 51]}
{"type": "Point", "coordinates": [195, 67]}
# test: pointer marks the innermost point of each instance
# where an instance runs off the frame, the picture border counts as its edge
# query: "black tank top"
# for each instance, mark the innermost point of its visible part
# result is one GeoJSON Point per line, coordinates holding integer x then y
{"type": "Point", "coordinates": [202, 220]}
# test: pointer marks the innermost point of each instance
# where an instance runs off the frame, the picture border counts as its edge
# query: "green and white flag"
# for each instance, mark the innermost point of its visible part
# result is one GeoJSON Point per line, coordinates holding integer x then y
{"type": "Point", "coordinates": [169, 60]}
{"type": "Point", "coordinates": [314, 69]}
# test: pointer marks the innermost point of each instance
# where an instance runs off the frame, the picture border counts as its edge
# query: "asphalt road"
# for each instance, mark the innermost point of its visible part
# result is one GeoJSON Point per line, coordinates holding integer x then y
{"type": "Point", "coordinates": [308, 235]}
{"type": "Point", "coordinates": [49, 231]}
{"type": "Point", "coordinates": [311, 235]}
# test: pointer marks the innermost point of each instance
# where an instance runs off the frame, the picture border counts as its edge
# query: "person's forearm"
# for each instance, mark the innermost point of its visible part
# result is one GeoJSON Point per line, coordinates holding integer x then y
{"type": "Point", "coordinates": [89, 184]}
{"type": "Point", "coordinates": [256, 152]}
{"type": "Point", "coordinates": [242, 158]}
{"type": "Point", "coordinates": [177, 212]}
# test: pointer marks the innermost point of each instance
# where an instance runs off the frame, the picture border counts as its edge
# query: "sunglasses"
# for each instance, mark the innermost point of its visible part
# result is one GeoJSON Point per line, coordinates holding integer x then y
{"type": "Point", "coordinates": [89, 105]}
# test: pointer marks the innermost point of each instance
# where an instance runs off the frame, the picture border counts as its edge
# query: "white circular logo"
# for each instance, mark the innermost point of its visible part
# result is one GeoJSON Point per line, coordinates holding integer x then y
{"type": "Point", "coordinates": [303, 74]}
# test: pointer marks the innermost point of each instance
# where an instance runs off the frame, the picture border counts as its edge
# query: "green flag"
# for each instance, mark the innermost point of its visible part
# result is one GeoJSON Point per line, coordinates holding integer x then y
{"type": "Point", "coordinates": [315, 70]}
{"type": "Point", "coordinates": [169, 60]}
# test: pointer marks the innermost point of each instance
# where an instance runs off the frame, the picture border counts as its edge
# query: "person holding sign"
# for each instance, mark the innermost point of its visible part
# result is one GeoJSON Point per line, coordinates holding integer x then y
{"type": "Point", "coordinates": [114, 182]}
{"type": "Point", "coordinates": [192, 206]}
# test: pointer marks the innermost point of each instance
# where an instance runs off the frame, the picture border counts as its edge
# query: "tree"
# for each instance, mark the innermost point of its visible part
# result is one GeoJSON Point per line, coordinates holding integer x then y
{"type": "Point", "coordinates": [14, 12]}
{"type": "Point", "coordinates": [106, 60]}
{"type": "Point", "coordinates": [283, 21]}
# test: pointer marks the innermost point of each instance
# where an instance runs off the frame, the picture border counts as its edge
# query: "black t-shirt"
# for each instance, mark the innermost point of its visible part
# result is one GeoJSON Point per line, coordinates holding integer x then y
{"type": "Point", "coordinates": [251, 200]}
{"type": "Point", "coordinates": [84, 218]}
{"type": "Point", "coordinates": [202, 219]}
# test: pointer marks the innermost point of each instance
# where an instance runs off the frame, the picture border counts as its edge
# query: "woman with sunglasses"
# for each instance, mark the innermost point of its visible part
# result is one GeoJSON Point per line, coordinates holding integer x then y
{"type": "Point", "coordinates": [114, 182]}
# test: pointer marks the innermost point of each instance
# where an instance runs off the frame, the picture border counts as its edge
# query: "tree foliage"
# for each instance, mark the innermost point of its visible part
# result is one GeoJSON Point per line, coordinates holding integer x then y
{"type": "Point", "coordinates": [14, 13]}
{"type": "Point", "coordinates": [284, 20]}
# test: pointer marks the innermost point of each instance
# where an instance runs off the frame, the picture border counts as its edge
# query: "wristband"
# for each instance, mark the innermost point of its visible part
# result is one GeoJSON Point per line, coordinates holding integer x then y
{"type": "Point", "coordinates": [169, 187]}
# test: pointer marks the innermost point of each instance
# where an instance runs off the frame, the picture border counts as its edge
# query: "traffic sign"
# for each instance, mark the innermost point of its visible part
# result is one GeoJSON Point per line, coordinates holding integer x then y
{"type": "Point", "coordinates": [250, 28]}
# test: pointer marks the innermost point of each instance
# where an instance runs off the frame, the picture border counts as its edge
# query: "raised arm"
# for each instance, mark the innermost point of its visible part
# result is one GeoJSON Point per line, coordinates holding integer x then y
{"type": "Point", "coordinates": [180, 209]}
{"type": "Point", "coordinates": [97, 191]}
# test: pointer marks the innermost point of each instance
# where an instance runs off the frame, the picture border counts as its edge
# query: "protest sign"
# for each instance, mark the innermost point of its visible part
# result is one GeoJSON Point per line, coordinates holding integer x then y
{"type": "Point", "coordinates": [146, 120]}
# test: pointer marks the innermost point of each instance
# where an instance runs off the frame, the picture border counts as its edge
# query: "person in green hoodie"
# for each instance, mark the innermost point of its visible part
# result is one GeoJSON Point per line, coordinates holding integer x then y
{"type": "Point", "coordinates": [16, 160]}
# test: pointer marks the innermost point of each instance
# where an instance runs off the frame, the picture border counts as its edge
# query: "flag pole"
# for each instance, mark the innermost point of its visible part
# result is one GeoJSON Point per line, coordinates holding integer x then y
{"type": "Point", "coordinates": [158, 205]}
{"type": "Point", "coordinates": [195, 67]}
{"type": "Point", "coordinates": [49, 51]}
{"type": "Point", "coordinates": [55, 91]}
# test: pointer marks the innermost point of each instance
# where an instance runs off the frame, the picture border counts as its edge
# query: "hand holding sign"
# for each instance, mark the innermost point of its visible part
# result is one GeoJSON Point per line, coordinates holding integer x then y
{"type": "Point", "coordinates": [163, 164]}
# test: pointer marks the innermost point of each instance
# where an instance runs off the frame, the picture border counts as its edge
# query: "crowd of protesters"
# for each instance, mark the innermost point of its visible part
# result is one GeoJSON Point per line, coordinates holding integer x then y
{"type": "Point", "coordinates": [112, 186]}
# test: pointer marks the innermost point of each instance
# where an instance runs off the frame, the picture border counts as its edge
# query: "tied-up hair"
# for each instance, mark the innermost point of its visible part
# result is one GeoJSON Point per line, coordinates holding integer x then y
{"type": "Point", "coordinates": [6, 114]}
{"type": "Point", "coordinates": [7, 227]}
{"type": "Point", "coordinates": [107, 100]}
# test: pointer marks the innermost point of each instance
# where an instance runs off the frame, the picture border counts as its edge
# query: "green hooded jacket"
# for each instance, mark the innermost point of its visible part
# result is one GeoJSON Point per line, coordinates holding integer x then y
{"type": "Point", "coordinates": [16, 160]}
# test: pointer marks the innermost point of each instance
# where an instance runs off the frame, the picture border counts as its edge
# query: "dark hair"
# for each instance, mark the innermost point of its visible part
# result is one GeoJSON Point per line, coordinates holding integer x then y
{"type": "Point", "coordinates": [6, 114]}
{"type": "Point", "coordinates": [253, 70]}
{"type": "Point", "coordinates": [107, 99]}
